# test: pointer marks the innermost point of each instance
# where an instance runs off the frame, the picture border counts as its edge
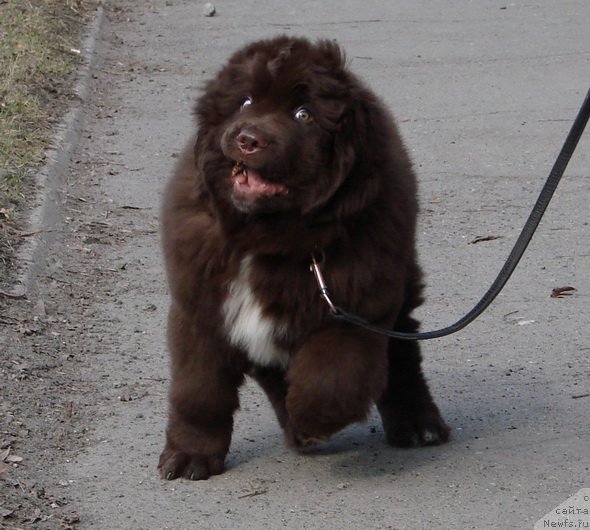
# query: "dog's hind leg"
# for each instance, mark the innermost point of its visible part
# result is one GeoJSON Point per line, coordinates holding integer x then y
{"type": "Point", "coordinates": [410, 416]}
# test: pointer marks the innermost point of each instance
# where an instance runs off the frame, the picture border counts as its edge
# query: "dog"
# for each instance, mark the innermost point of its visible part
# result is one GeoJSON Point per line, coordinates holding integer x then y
{"type": "Point", "coordinates": [294, 157]}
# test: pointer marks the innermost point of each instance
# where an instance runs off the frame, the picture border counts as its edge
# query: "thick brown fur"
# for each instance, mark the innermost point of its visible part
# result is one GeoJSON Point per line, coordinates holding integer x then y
{"type": "Point", "coordinates": [293, 155]}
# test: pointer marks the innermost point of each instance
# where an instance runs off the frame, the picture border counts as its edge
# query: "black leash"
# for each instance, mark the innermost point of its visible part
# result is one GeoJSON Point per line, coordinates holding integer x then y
{"type": "Point", "coordinates": [518, 250]}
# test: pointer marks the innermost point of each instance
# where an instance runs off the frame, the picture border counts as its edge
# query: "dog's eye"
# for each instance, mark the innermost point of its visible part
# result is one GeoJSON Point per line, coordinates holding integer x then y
{"type": "Point", "coordinates": [302, 114]}
{"type": "Point", "coordinates": [246, 103]}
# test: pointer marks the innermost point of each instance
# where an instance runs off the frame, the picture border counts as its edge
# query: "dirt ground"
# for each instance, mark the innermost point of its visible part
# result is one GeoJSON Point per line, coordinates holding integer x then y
{"type": "Point", "coordinates": [83, 368]}
{"type": "Point", "coordinates": [48, 323]}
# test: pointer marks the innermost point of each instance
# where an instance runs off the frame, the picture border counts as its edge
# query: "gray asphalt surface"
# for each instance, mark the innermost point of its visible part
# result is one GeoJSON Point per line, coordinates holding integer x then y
{"type": "Point", "coordinates": [484, 93]}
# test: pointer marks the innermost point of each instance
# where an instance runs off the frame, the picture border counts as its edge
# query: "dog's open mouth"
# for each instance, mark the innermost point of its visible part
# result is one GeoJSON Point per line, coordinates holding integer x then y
{"type": "Point", "coordinates": [250, 183]}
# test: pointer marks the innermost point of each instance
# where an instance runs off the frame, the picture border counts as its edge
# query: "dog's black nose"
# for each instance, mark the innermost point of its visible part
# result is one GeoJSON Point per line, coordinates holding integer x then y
{"type": "Point", "coordinates": [250, 141]}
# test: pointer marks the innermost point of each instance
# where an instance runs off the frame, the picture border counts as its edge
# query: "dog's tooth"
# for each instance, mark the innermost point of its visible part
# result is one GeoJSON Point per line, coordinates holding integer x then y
{"type": "Point", "coordinates": [238, 168]}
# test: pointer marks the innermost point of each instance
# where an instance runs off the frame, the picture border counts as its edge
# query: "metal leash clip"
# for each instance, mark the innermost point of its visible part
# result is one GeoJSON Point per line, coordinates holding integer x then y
{"type": "Point", "coordinates": [317, 271]}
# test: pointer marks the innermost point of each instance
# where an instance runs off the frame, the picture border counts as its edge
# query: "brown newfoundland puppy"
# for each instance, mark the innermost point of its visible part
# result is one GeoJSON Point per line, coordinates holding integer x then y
{"type": "Point", "coordinates": [294, 156]}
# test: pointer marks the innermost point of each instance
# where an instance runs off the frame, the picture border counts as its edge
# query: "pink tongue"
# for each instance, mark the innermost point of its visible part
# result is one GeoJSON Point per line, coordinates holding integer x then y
{"type": "Point", "coordinates": [252, 182]}
{"type": "Point", "coordinates": [256, 182]}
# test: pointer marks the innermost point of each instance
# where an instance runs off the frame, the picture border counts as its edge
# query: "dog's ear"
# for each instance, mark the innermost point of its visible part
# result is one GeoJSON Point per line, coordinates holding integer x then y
{"type": "Point", "coordinates": [346, 141]}
{"type": "Point", "coordinates": [344, 156]}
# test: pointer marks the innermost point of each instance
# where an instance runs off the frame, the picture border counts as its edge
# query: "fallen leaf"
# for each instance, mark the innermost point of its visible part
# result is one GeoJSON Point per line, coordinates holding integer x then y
{"type": "Point", "coordinates": [81, 248]}
{"type": "Point", "coordinates": [69, 520]}
{"type": "Point", "coordinates": [33, 233]}
{"type": "Point", "coordinates": [562, 292]}
{"type": "Point", "coordinates": [14, 296]}
{"type": "Point", "coordinates": [253, 494]}
{"type": "Point", "coordinates": [479, 239]}
{"type": "Point", "coordinates": [13, 459]}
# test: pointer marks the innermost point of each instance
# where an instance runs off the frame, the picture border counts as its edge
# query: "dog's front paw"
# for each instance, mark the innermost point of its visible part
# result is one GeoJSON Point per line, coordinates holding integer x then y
{"type": "Point", "coordinates": [429, 429]}
{"type": "Point", "coordinates": [175, 464]}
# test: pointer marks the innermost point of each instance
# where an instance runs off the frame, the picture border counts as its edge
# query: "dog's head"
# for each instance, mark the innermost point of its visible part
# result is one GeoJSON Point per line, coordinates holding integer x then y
{"type": "Point", "coordinates": [278, 127]}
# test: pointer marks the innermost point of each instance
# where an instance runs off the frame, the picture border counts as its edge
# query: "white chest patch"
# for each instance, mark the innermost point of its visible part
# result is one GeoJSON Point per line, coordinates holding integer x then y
{"type": "Point", "coordinates": [247, 327]}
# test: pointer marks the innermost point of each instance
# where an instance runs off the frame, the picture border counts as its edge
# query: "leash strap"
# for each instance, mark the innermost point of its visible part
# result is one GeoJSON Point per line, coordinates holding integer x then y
{"type": "Point", "coordinates": [518, 250]}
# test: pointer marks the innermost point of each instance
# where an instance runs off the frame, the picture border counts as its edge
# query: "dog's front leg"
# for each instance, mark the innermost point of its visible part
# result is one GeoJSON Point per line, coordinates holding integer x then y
{"type": "Point", "coordinates": [203, 399]}
{"type": "Point", "coordinates": [332, 381]}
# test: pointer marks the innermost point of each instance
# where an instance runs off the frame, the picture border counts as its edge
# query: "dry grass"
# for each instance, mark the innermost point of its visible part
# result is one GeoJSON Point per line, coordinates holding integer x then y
{"type": "Point", "coordinates": [38, 39]}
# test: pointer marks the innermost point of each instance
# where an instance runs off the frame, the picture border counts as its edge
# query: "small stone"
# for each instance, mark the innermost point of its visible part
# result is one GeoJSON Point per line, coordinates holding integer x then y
{"type": "Point", "coordinates": [209, 9]}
